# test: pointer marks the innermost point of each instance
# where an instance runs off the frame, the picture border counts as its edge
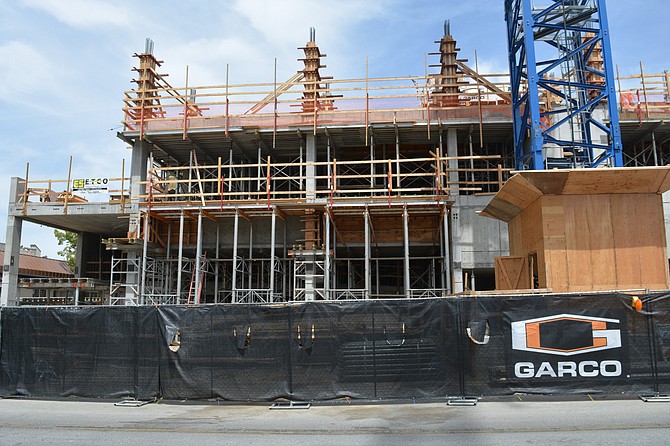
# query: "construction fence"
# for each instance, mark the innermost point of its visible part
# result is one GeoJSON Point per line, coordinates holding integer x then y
{"type": "Point", "coordinates": [381, 350]}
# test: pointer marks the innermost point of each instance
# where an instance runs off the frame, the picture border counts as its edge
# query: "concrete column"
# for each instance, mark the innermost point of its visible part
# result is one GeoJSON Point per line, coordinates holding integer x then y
{"type": "Point", "coordinates": [10, 268]}
{"type": "Point", "coordinates": [455, 242]}
{"type": "Point", "coordinates": [138, 167]}
{"type": "Point", "coordinates": [138, 173]}
{"type": "Point", "coordinates": [310, 171]}
{"type": "Point", "coordinates": [446, 252]}
{"type": "Point", "coordinates": [452, 151]}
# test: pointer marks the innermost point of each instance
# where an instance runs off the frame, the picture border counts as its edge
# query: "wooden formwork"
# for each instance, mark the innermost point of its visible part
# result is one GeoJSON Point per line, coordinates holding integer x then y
{"type": "Point", "coordinates": [588, 230]}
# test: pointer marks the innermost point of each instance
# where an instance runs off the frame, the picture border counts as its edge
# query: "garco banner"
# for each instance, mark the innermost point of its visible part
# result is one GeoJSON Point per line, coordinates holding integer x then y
{"type": "Point", "coordinates": [567, 347]}
{"type": "Point", "coordinates": [376, 349]}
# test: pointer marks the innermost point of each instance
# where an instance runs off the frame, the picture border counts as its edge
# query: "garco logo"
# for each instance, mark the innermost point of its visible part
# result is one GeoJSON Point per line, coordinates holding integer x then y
{"type": "Point", "coordinates": [565, 335]}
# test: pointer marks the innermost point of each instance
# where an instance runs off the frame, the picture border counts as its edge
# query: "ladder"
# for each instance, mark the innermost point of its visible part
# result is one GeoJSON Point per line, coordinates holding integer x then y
{"type": "Point", "coordinates": [192, 292]}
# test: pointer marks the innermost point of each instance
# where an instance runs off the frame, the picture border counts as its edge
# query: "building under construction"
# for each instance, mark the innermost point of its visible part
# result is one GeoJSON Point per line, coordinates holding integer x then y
{"type": "Point", "coordinates": [317, 188]}
{"type": "Point", "coordinates": [340, 225]}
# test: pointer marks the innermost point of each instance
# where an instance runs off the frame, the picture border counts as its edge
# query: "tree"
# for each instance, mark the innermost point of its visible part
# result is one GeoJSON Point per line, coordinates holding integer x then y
{"type": "Point", "coordinates": [68, 241]}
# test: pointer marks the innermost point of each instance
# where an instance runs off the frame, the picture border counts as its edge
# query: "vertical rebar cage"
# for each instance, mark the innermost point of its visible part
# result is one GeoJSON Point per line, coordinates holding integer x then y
{"type": "Point", "coordinates": [563, 85]}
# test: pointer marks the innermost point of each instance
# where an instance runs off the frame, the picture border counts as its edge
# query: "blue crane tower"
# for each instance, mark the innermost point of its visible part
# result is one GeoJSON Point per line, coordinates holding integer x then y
{"type": "Point", "coordinates": [563, 89]}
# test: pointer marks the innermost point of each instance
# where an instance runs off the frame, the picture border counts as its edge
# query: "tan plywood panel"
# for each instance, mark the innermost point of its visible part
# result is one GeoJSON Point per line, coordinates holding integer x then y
{"type": "Point", "coordinates": [549, 182]}
{"type": "Point", "coordinates": [556, 262]}
{"type": "Point", "coordinates": [601, 241]}
{"type": "Point", "coordinates": [500, 210]}
{"type": "Point", "coordinates": [625, 242]}
{"type": "Point", "coordinates": [524, 187]}
{"type": "Point", "coordinates": [577, 244]}
{"type": "Point", "coordinates": [651, 251]}
{"type": "Point", "coordinates": [515, 238]}
{"type": "Point", "coordinates": [516, 195]}
{"type": "Point", "coordinates": [531, 225]}
{"type": "Point", "coordinates": [608, 181]}
{"type": "Point", "coordinates": [601, 181]}
{"type": "Point", "coordinates": [605, 232]}
{"type": "Point", "coordinates": [512, 273]}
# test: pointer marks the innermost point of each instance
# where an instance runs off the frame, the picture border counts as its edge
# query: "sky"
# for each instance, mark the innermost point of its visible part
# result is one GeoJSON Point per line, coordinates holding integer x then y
{"type": "Point", "coordinates": [65, 64]}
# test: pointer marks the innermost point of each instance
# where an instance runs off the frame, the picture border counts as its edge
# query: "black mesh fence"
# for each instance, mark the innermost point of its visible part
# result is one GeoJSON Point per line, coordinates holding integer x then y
{"type": "Point", "coordinates": [326, 350]}
{"type": "Point", "coordinates": [93, 352]}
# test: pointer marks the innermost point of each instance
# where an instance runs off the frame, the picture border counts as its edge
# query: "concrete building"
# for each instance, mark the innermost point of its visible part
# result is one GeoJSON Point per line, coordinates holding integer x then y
{"type": "Point", "coordinates": [314, 188]}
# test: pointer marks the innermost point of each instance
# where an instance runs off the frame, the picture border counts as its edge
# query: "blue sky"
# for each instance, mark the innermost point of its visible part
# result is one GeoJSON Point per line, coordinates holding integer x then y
{"type": "Point", "coordinates": [64, 64]}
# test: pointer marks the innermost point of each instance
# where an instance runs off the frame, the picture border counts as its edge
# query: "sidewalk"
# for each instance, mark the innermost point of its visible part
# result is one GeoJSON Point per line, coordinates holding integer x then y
{"type": "Point", "coordinates": [28, 422]}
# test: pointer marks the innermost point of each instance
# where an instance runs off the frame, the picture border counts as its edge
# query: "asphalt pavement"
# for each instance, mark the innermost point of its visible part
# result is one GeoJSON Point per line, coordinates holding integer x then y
{"type": "Point", "coordinates": [516, 420]}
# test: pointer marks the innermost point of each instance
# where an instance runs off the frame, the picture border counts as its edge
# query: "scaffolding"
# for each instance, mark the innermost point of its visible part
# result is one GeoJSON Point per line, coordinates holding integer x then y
{"type": "Point", "coordinates": [332, 189]}
{"type": "Point", "coordinates": [563, 84]}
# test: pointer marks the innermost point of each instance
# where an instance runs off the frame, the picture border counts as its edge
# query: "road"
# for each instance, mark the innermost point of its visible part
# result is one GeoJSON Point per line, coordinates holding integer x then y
{"type": "Point", "coordinates": [512, 421]}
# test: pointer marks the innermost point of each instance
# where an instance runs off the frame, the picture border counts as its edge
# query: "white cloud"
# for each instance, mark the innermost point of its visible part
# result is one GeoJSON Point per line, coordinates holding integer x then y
{"type": "Point", "coordinates": [283, 23]}
{"type": "Point", "coordinates": [84, 13]}
{"type": "Point", "coordinates": [207, 59]}
{"type": "Point", "coordinates": [99, 158]}
{"type": "Point", "coordinates": [24, 72]}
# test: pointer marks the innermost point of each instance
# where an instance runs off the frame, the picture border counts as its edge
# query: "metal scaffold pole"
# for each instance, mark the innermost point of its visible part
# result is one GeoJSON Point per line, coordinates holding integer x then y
{"type": "Point", "coordinates": [405, 226]}
{"type": "Point", "coordinates": [180, 259]}
{"type": "Point", "coordinates": [216, 265]}
{"type": "Point", "coordinates": [272, 255]}
{"type": "Point", "coordinates": [234, 271]}
{"type": "Point", "coordinates": [198, 261]}
{"type": "Point", "coordinates": [326, 267]}
{"type": "Point", "coordinates": [367, 253]}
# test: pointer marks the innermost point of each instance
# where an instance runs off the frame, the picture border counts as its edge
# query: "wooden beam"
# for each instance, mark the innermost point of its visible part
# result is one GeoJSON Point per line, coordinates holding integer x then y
{"type": "Point", "coordinates": [155, 215]}
{"type": "Point", "coordinates": [281, 89]}
{"type": "Point", "coordinates": [244, 215]}
{"type": "Point", "coordinates": [280, 213]}
{"type": "Point", "coordinates": [208, 215]}
{"type": "Point", "coordinates": [507, 97]}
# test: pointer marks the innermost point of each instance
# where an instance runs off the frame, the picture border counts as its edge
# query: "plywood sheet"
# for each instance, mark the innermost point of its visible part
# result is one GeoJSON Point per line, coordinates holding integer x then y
{"type": "Point", "coordinates": [515, 196]}
{"type": "Point", "coordinates": [555, 257]}
{"type": "Point", "coordinates": [515, 238]}
{"type": "Point", "coordinates": [605, 232]}
{"type": "Point", "coordinates": [601, 242]}
{"type": "Point", "coordinates": [531, 225]}
{"type": "Point", "coordinates": [651, 250]}
{"type": "Point", "coordinates": [608, 181]}
{"type": "Point", "coordinates": [640, 242]}
{"type": "Point", "coordinates": [626, 242]}
{"type": "Point", "coordinates": [627, 180]}
{"type": "Point", "coordinates": [388, 229]}
{"type": "Point", "coordinates": [549, 182]}
{"type": "Point", "coordinates": [512, 273]}
{"type": "Point", "coordinates": [577, 245]}
{"type": "Point", "coordinates": [525, 231]}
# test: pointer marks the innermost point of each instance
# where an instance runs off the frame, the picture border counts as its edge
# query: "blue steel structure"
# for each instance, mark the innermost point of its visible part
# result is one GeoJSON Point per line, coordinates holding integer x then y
{"type": "Point", "coordinates": [563, 85]}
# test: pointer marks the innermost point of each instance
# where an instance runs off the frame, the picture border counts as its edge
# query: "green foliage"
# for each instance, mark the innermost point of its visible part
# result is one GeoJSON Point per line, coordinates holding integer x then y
{"type": "Point", "coordinates": [68, 242]}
